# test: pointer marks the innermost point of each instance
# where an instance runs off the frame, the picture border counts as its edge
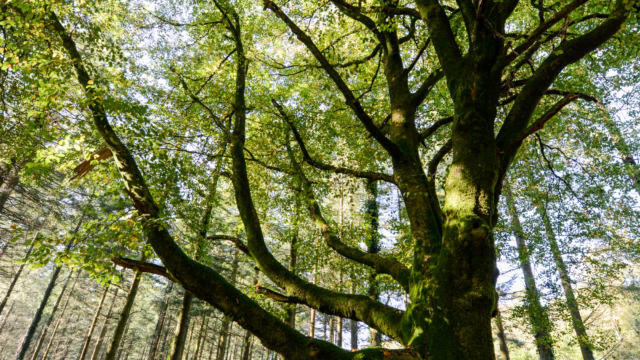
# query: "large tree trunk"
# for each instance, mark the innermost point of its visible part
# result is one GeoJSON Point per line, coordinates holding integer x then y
{"type": "Point", "coordinates": [45, 329]}
{"type": "Point", "coordinates": [565, 280]}
{"type": "Point", "coordinates": [124, 317]}
{"type": "Point", "coordinates": [155, 338]}
{"type": "Point", "coordinates": [26, 341]}
{"type": "Point", "coordinates": [92, 325]}
{"type": "Point", "coordinates": [103, 327]}
{"type": "Point", "coordinates": [538, 316]}
{"type": "Point", "coordinates": [16, 276]}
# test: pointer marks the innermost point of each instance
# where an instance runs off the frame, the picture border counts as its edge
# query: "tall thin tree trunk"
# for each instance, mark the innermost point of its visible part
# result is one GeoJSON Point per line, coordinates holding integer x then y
{"type": "Point", "coordinates": [17, 275]}
{"type": "Point", "coordinates": [189, 343]}
{"type": "Point", "coordinates": [201, 336]}
{"type": "Point", "coordinates": [161, 317]}
{"type": "Point", "coordinates": [537, 313]}
{"type": "Point", "coordinates": [124, 317]}
{"type": "Point", "coordinates": [60, 318]}
{"type": "Point", "coordinates": [373, 247]}
{"type": "Point", "coordinates": [293, 258]}
{"type": "Point", "coordinates": [502, 338]}
{"type": "Point", "coordinates": [4, 320]}
{"type": "Point", "coordinates": [182, 327]}
{"type": "Point", "coordinates": [354, 324]}
{"type": "Point", "coordinates": [45, 329]}
{"type": "Point", "coordinates": [340, 325]}
{"type": "Point", "coordinates": [223, 339]}
{"type": "Point", "coordinates": [103, 327]}
{"type": "Point", "coordinates": [92, 325]}
{"type": "Point", "coordinates": [26, 341]}
{"type": "Point", "coordinates": [565, 280]}
{"type": "Point", "coordinates": [246, 349]}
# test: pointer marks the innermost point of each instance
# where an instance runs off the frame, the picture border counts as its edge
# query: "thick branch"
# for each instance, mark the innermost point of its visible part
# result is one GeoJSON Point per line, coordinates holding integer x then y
{"type": "Point", "coordinates": [442, 36]}
{"type": "Point", "coordinates": [381, 264]}
{"type": "Point", "coordinates": [142, 266]}
{"type": "Point", "coordinates": [200, 280]}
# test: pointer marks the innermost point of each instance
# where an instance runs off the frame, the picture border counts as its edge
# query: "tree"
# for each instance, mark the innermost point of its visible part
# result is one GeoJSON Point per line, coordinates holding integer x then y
{"type": "Point", "coordinates": [494, 76]}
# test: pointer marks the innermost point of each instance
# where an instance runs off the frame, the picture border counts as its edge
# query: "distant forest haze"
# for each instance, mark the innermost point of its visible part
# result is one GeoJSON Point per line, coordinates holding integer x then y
{"type": "Point", "coordinates": [300, 180]}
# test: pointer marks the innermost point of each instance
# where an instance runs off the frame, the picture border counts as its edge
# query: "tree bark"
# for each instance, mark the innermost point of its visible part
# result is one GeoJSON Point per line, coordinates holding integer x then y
{"type": "Point", "coordinates": [373, 247]}
{"type": "Point", "coordinates": [103, 327]}
{"type": "Point", "coordinates": [538, 316]}
{"type": "Point", "coordinates": [60, 318]}
{"type": "Point", "coordinates": [45, 329]}
{"type": "Point", "coordinates": [17, 275]}
{"type": "Point", "coordinates": [26, 341]}
{"type": "Point", "coordinates": [155, 338]}
{"type": "Point", "coordinates": [92, 325]}
{"type": "Point", "coordinates": [124, 317]}
{"type": "Point", "coordinates": [502, 338]}
{"type": "Point", "coordinates": [223, 340]}
{"type": "Point", "coordinates": [565, 280]}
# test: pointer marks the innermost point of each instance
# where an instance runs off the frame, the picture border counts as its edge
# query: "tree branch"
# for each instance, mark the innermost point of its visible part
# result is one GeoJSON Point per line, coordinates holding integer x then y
{"type": "Point", "coordinates": [328, 167]}
{"type": "Point", "coordinates": [351, 100]}
{"type": "Point", "coordinates": [202, 281]}
{"type": "Point", "coordinates": [381, 264]}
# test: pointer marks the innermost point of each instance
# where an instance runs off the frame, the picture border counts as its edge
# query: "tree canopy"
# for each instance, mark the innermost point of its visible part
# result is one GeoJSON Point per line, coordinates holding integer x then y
{"type": "Point", "coordinates": [250, 122]}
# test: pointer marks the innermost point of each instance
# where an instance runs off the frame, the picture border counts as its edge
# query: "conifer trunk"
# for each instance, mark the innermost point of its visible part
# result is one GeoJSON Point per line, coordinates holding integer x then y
{"type": "Point", "coordinates": [26, 341]}
{"type": "Point", "coordinates": [124, 317]}
{"type": "Point", "coordinates": [502, 338]}
{"type": "Point", "coordinates": [17, 275]}
{"type": "Point", "coordinates": [92, 325]}
{"type": "Point", "coordinates": [565, 280]}
{"type": "Point", "coordinates": [45, 329]}
{"type": "Point", "coordinates": [538, 316]}
{"type": "Point", "coordinates": [223, 340]}
{"type": "Point", "coordinates": [373, 247]}
{"type": "Point", "coordinates": [9, 183]}
{"type": "Point", "coordinates": [155, 339]}
{"type": "Point", "coordinates": [103, 327]}
{"type": "Point", "coordinates": [60, 318]}
{"type": "Point", "coordinates": [182, 327]}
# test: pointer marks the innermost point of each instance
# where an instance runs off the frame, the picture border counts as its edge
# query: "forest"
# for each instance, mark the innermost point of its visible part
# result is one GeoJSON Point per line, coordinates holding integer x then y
{"type": "Point", "coordinates": [291, 179]}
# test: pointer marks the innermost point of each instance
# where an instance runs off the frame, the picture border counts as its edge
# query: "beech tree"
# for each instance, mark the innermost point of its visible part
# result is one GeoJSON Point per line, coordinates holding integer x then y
{"type": "Point", "coordinates": [438, 97]}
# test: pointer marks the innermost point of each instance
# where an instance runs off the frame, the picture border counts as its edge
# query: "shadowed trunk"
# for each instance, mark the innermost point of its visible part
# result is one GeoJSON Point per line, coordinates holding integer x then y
{"type": "Point", "coordinates": [60, 318]}
{"type": "Point", "coordinates": [112, 351]}
{"type": "Point", "coordinates": [26, 341]}
{"type": "Point", "coordinates": [45, 329]}
{"type": "Point", "coordinates": [103, 327]}
{"type": "Point", "coordinates": [17, 275]}
{"type": "Point", "coordinates": [155, 338]}
{"type": "Point", "coordinates": [92, 325]}
{"type": "Point", "coordinates": [223, 340]}
{"type": "Point", "coordinates": [502, 337]}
